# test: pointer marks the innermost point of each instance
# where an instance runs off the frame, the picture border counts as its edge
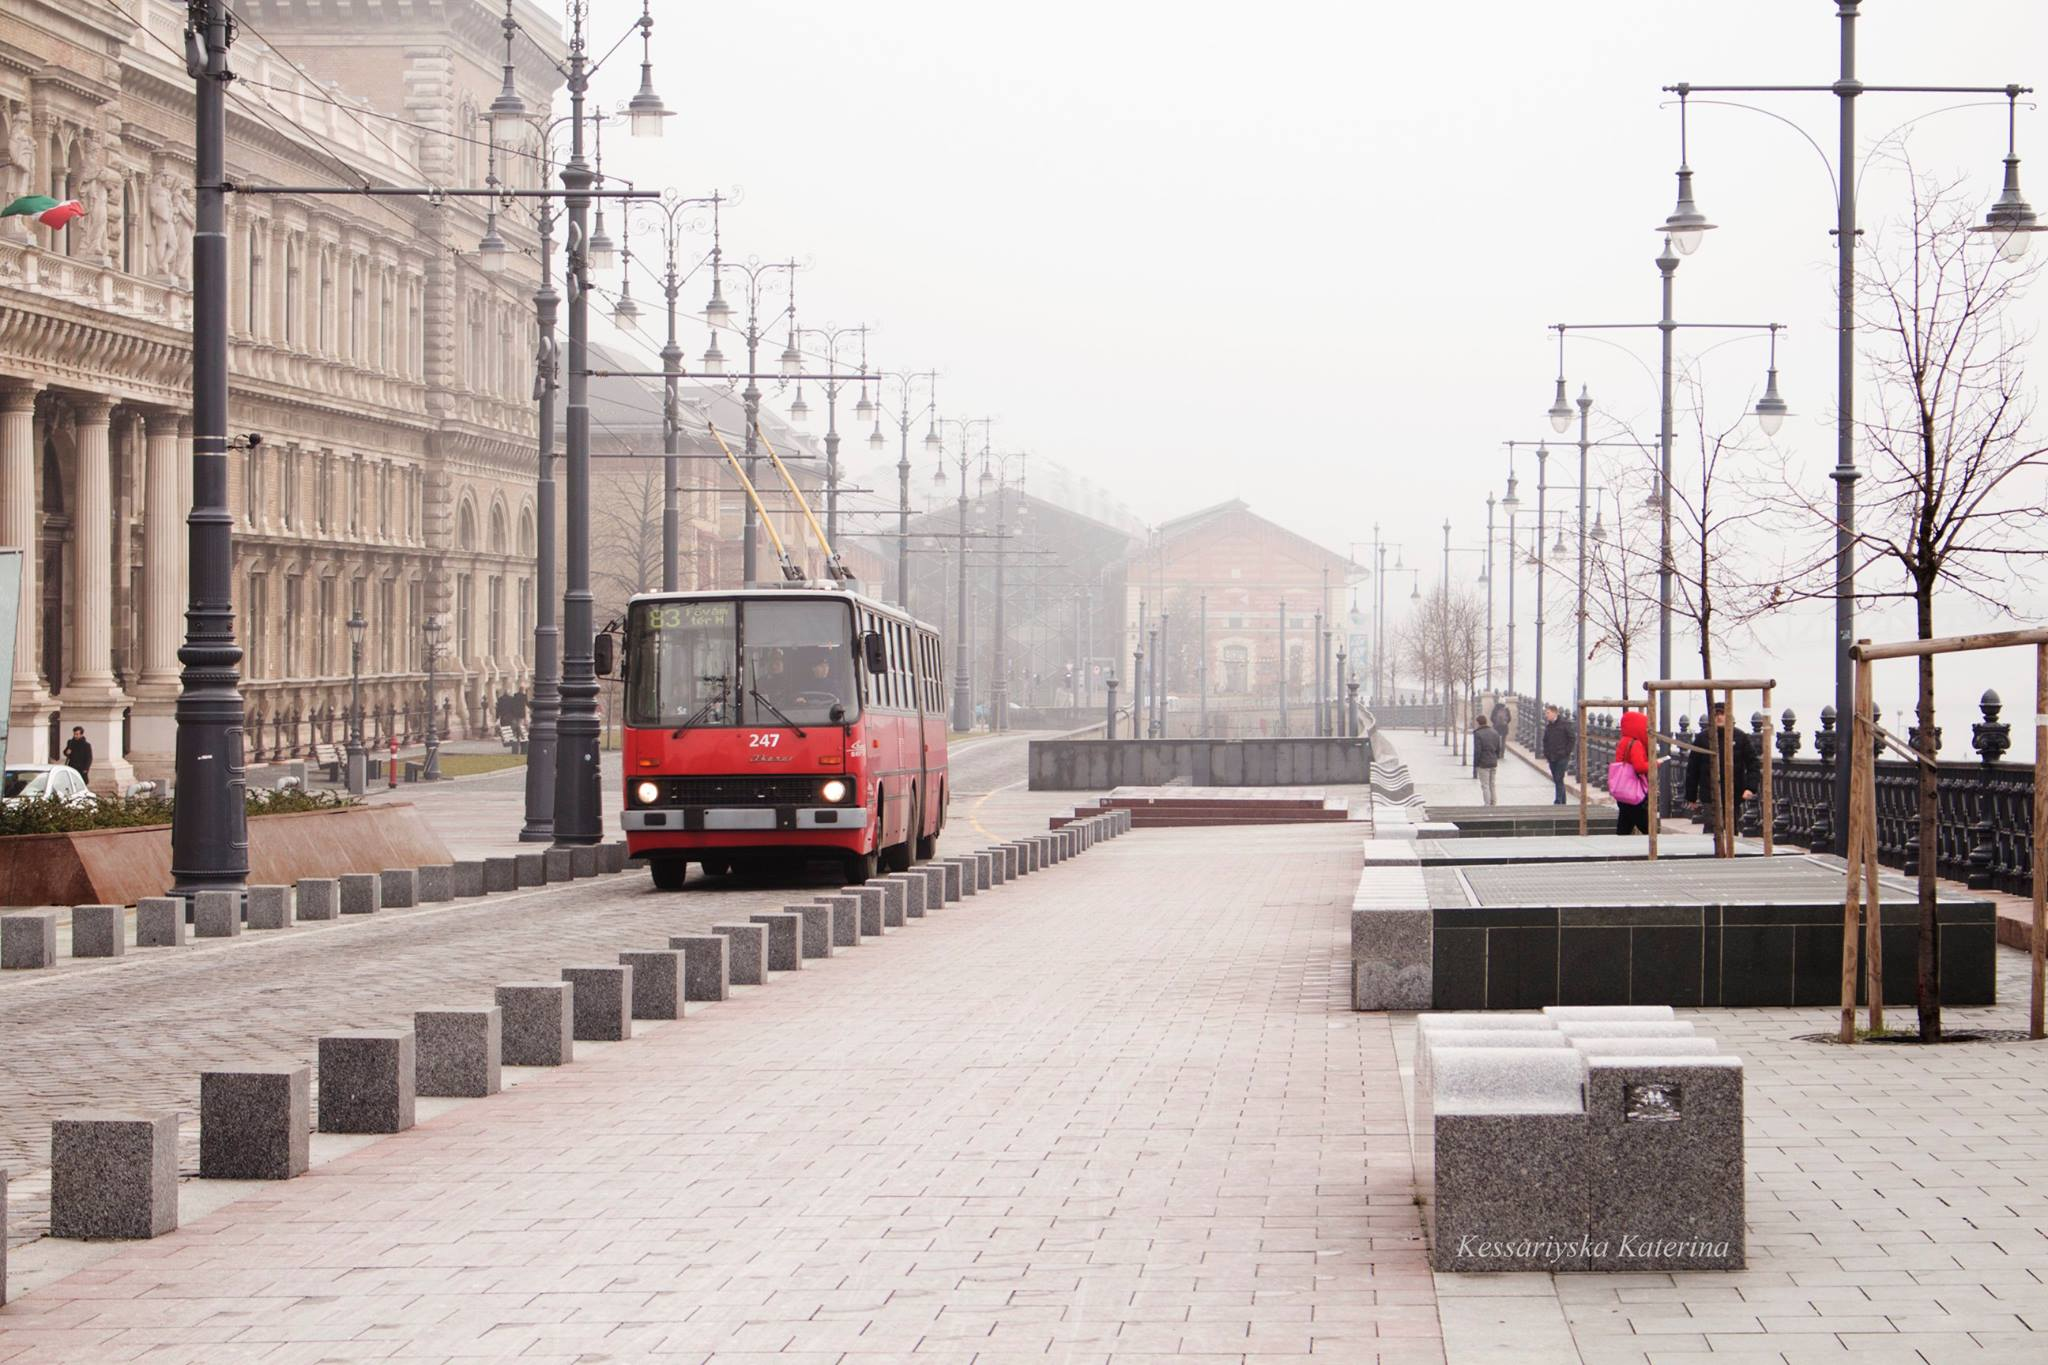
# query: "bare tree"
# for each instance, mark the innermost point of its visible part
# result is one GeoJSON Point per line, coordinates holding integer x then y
{"type": "Point", "coordinates": [1621, 575]}
{"type": "Point", "coordinates": [1952, 495]}
{"type": "Point", "coordinates": [626, 537]}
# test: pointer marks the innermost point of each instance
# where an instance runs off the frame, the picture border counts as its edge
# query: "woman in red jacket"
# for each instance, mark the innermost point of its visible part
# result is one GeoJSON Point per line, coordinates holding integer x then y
{"type": "Point", "coordinates": [1631, 751]}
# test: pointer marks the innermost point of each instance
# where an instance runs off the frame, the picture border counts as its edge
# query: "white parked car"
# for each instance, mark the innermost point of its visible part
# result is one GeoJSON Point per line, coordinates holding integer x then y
{"type": "Point", "coordinates": [43, 781]}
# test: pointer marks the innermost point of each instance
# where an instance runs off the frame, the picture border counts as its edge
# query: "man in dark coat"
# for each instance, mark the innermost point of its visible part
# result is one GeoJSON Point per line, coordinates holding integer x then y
{"type": "Point", "coordinates": [1503, 720]}
{"type": "Point", "coordinates": [1486, 751]}
{"type": "Point", "coordinates": [78, 752]}
{"type": "Point", "coordinates": [1699, 768]}
{"type": "Point", "coordinates": [1559, 741]}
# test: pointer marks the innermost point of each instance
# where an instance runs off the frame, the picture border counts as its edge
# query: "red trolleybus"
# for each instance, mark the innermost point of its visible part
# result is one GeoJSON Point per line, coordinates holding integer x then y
{"type": "Point", "coordinates": [770, 727]}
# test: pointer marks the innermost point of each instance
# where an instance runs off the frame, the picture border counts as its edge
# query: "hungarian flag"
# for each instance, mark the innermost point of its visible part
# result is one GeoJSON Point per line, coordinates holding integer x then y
{"type": "Point", "coordinates": [44, 209]}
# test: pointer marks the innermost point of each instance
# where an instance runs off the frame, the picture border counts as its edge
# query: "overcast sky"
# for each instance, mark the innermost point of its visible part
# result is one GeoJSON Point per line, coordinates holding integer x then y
{"type": "Point", "coordinates": [1307, 254]}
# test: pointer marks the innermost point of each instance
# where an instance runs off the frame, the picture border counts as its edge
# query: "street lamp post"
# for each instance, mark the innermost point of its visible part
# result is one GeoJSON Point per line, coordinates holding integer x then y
{"type": "Point", "coordinates": [963, 700]}
{"type": "Point", "coordinates": [547, 673]}
{"type": "Point", "coordinates": [834, 338]}
{"type": "Point", "coordinates": [719, 313]}
{"type": "Point", "coordinates": [995, 469]}
{"type": "Point", "coordinates": [1489, 590]}
{"type": "Point", "coordinates": [431, 627]}
{"type": "Point", "coordinates": [1542, 523]}
{"type": "Point", "coordinates": [357, 762]}
{"type": "Point", "coordinates": [904, 417]}
{"type": "Point", "coordinates": [578, 813]}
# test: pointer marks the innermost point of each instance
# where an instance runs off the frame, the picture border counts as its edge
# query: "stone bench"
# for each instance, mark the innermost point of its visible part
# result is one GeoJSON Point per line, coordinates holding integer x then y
{"type": "Point", "coordinates": [159, 922]}
{"type": "Point", "coordinates": [1392, 940]}
{"type": "Point", "coordinates": [1584, 1138]}
{"type": "Point", "coordinates": [601, 1003]}
{"type": "Point", "coordinates": [458, 1053]}
{"type": "Point", "coordinates": [537, 1023]}
{"type": "Point", "coordinates": [113, 1174]}
{"type": "Point", "coordinates": [98, 930]}
{"type": "Point", "coordinates": [366, 1081]}
{"type": "Point", "coordinates": [746, 954]}
{"type": "Point", "coordinates": [253, 1123]}
{"type": "Point", "coordinates": [706, 973]}
{"type": "Point", "coordinates": [785, 939]}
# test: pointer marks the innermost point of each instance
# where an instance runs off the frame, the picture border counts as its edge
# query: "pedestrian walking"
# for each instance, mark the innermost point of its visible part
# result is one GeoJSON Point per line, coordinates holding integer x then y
{"type": "Point", "coordinates": [78, 753]}
{"type": "Point", "coordinates": [1486, 752]}
{"type": "Point", "coordinates": [1628, 777]}
{"type": "Point", "coordinates": [1503, 719]}
{"type": "Point", "coordinates": [1700, 774]}
{"type": "Point", "coordinates": [1559, 739]}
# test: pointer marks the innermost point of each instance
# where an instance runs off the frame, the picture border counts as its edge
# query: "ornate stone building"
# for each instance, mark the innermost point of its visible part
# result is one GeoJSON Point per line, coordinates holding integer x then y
{"type": "Point", "coordinates": [388, 376]}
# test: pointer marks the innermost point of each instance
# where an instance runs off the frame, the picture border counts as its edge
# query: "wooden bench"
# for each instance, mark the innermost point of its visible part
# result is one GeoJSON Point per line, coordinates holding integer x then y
{"type": "Point", "coordinates": [415, 769]}
{"type": "Point", "coordinates": [511, 740]}
{"type": "Point", "coordinates": [330, 757]}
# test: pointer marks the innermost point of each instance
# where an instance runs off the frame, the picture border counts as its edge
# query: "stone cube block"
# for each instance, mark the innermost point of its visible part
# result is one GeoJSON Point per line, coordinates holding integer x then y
{"type": "Point", "coordinates": [892, 902]}
{"type": "Point", "coordinates": [98, 930]}
{"type": "Point", "coordinates": [366, 1081]}
{"type": "Point", "coordinates": [159, 922]}
{"type": "Point", "coordinates": [113, 1173]}
{"type": "Point", "coordinates": [706, 974]}
{"type": "Point", "coordinates": [845, 912]}
{"type": "Point", "coordinates": [970, 878]}
{"type": "Point", "coordinates": [318, 898]}
{"type": "Point", "coordinates": [501, 874]}
{"type": "Point", "coordinates": [1028, 851]}
{"type": "Point", "coordinates": [934, 875]}
{"type": "Point", "coordinates": [601, 1005]}
{"type": "Point", "coordinates": [217, 914]}
{"type": "Point", "coordinates": [537, 1028]}
{"type": "Point", "coordinates": [949, 872]}
{"type": "Point", "coordinates": [399, 888]}
{"type": "Point", "coordinates": [468, 878]}
{"type": "Point", "coordinates": [436, 883]}
{"type": "Point", "coordinates": [458, 1052]}
{"type": "Point", "coordinates": [657, 982]}
{"type": "Point", "coordinates": [270, 907]}
{"type": "Point", "coordinates": [871, 905]}
{"type": "Point", "coordinates": [1012, 860]}
{"type": "Point", "coordinates": [1664, 1163]}
{"type": "Point", "coordinates": [785, 939]}
{"type": "Point", "coordinates": [995, 864]}
{"type": "Point", "coordinates": [1507, 1188]}
{"type": "Point", "coordinates": [817, 936]}
{"type": "Point", "coordinates": [583, 861]}
{"type": "Point", "coordinates": [611, 857]}
{"type": "Point", "coordinates": [559, 864]}
{"type": "Point", "coordinates": [361, 893]}
{"type": "Point", "coordinates": [747, 954]}
{"type": "Point", "coordinates": [1391, 963]}
{"type": "Point", "coordinates": [253, 1122]}
{"type": "Point", "coordinates": [532, 868]}
{"type": "Point", "coordinates": [913, 884]}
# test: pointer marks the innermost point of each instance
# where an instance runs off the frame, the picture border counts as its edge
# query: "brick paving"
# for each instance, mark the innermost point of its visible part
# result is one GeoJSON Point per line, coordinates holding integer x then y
{"type": "Point", "coordinates": [1115, 1112]}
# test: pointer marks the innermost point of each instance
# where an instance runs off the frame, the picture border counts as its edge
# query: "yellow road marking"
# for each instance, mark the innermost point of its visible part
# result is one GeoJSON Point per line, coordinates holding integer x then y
{"type": "Point", "coordinates": [974, 816]}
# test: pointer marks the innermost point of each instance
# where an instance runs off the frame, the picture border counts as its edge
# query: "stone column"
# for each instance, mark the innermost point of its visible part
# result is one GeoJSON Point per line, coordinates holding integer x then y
{"type": "Point", "coordinates": [153, 731]}
{"type": "Point", "coordinates": [29, 700]}
{"type": "Point", "coordinates": [91, 698]}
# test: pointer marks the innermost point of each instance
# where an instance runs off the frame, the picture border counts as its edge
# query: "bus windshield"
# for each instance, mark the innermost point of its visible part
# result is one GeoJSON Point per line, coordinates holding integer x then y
{"type": "Point", "coordinates": [752, 662]}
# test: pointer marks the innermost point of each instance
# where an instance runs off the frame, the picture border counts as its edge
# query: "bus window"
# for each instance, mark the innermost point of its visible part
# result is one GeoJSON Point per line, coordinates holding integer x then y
{"type": "Point", "coordinates": [798, 655]}
{"type": "Point", "coordinates": [680, 664]}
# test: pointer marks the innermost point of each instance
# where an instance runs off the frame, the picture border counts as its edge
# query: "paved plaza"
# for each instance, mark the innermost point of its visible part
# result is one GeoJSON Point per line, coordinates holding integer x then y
{"type": "Point", "coordinates": [1118, 1111]}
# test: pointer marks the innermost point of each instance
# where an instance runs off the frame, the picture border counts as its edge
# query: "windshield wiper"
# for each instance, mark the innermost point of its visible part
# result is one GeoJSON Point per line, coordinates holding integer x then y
{"type": "Point", "coordinates": [698, 715]}
{"type": "Point", "coordinates": [755, 693]}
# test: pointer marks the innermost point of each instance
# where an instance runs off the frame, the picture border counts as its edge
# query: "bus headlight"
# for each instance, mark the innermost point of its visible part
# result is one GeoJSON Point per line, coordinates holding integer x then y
{"type": "Point", "coordinates": [833, 790]}
{"type": "Point", "coordinates": [647, 793]}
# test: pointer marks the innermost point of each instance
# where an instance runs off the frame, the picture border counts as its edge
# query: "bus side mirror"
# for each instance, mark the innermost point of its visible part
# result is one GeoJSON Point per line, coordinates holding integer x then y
{"type": "Point", "coordinates": [876, 652]}
{"type": "Point", "coordinates": [601, 654]}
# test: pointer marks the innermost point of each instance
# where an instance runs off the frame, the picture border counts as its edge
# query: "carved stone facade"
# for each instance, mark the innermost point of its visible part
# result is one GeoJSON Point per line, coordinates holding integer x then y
{"type": "Point", "coordinates": [388, 377]}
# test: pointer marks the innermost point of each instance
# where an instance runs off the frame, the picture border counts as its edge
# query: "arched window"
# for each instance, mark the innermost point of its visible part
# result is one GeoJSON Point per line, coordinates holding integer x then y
{"type": "Point", "coordinates": [465, 528]}
{"type": "Point", "coordinates": [526, 533]}
{"type": "Point", "coordinates": [497, 529]}
{"type": "Point", "coordinates": [1236, 661]}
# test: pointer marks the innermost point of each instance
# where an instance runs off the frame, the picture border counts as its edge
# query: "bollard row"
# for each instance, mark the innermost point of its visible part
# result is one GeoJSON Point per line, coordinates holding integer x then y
{"type": "Point", "coordinates": [28, 939]}
{"type": "Point", "coordinates": [114, 1174]}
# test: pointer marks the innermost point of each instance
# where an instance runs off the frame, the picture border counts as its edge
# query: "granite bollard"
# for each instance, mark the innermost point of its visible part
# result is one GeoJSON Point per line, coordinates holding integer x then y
{"type": "Point", "coordinates": [436, 883]}
{"type": "Point", "coordinates": [559, 864]}
{"type": "Point", "coordinates": [536, 1028]}
{"type": "Point", "coordinates": [705, 971]}
{"type": "Point", "coordinates": [113, 1174]}
{"type": "Point", "coordinates": [532, 869]}
{"type": "Point", "coordinates": [398, 888]}
{"type": "Point", "coordinates": [159, 922]}
{"type": "Point", "coordinates": [817, 936]}
{"type": "Point", "coordinates": [270, 907]}
{"type": "Point", "coordinates": [501, 874]}
{"type": "Point", "coordinates": [657, 982]}
{"type": "Point", "coordinates": [601, 1005]}
{"type": "Point", "coordinates": [747, 954]}
{"type": "Point", "coordinates": [871, 904]}
{"type": "Point", "coordinates": [98, 930]}
{"type": "Point", "coordinates": [892, 902]}
{"type": "Point", "coordinates": [361, 893]}
{"type": "Point", "coordinates": [583, 861]}
{"type": "Point", "coordinates": [964, 865]}
{"type": "Point", "coordinates": [934, 875]}
{"type": "Point", "coordinates": [949, 871]}
{"type": "Point", "coordinates": [217, 914]}
{"type": "Point", "coordinates": [318, 898]}
{"type": "Point", "coordinates": [458, 1052]}
{"type": "Point", "coordinates": [1665, 1166]}
{"type": "Point", "coordinates": [366, 1081]}
{"type": "Point", "coordinates": [913, 884]}
{"type": "Point", "coordinates": [611, 857]}
{"type": "Point", "coordinates": [785, 939]}
{"type": "Point", "coordinates": [253, 1123]}
{"type": "Point", "coordinates": [997, 861]}
{"type": "Point", "coordinates": [845, 912]}
{"type": "Point", "coordinates": [467, 878]}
